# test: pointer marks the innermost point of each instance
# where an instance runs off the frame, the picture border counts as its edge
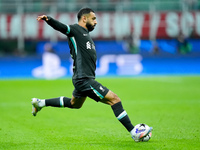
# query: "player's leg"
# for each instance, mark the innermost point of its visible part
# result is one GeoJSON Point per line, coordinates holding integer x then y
{"type": "Point", "coordinates": [100, 93]}
{"type": "Point", "coordinates": [114, 101]}
{"type": "Point", "coordinates": [55, 102]}
{"type": "Point", "coordinates": [74, 102]}
{"type": "Point", "coordinates": [63, 102]}
{"type": "Point", "coordinates": [77, 100]}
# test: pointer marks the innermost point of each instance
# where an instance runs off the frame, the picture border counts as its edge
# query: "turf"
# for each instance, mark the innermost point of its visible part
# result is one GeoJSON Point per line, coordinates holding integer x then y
{"type": "Point", "coordinates": [170, 104]}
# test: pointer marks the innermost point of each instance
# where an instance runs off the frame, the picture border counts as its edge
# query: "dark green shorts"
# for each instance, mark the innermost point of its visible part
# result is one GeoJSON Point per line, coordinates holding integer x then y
{"type": "Point", "coordinates": [90, 88]}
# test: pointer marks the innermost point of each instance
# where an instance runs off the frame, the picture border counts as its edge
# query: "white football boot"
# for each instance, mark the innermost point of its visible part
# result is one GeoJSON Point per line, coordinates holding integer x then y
{"type": "Point", "coordinates": [138, 137]}
{"type": "Point", "coordinates": [35, 106]}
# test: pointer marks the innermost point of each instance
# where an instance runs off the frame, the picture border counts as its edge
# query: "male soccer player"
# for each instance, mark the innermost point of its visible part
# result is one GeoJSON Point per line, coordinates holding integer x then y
{"type": "Point", "coordinates": [83, 53]}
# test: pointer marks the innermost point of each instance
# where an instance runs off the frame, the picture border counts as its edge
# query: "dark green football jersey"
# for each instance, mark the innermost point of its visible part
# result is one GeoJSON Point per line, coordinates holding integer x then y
{"type": "Point", "coordinates": [82, 48]}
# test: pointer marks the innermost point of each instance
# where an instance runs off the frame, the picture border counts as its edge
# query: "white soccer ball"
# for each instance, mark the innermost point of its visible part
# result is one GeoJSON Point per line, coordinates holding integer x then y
{"type": "Point", "coordinates": [146, 138]}
{"type": "Point", "coordinates": [139, 131]}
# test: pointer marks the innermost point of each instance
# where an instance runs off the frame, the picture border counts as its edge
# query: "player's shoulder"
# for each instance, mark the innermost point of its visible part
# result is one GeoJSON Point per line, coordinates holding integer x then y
{"type": "Point", "coordinates": [72, 28]}
{"type": "Point", "coordinates": [76, 29]}
{"type": "Point", "coordinates": [75, 26]}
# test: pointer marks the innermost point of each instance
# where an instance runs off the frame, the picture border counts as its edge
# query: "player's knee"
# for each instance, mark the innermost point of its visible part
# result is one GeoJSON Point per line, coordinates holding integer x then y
{"type": "Point", "coordinates": [111, 98]}
{"type": "Point", "coordinates": [76, 106]}
{"type": "Point", "coordinates": [116, 99]}
{"type": "Point", "coordinates": [77, 103]}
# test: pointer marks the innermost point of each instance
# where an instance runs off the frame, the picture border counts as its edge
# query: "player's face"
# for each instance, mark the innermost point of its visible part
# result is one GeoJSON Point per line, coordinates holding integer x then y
{"type": "Point", "coordinates": [91, 21]}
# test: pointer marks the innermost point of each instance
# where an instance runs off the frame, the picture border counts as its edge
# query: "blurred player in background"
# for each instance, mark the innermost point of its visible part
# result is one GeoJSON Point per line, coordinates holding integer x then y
{"type": "Point", "coordinates": [82, 50]}
{"type": "Point", "coordinates": [184, 47]}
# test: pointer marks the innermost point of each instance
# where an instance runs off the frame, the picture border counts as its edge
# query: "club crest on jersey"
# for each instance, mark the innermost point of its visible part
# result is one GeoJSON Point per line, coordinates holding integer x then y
{"type": "Point", "coordinates": [88, 45]}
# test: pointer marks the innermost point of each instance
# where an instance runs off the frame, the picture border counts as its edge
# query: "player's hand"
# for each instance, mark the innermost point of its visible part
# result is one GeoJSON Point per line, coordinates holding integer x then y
{"type": "Point", "coordinates": [43, 17]}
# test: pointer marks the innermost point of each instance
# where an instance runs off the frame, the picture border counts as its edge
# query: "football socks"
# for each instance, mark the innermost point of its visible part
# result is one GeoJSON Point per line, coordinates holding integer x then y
{"type": "Point", "coordinates": [122, 116]}
{"type": "Point", "coordinates": [59, 102]}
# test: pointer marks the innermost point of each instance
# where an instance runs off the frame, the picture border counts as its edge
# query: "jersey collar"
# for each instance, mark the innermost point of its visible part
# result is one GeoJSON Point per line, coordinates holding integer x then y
{"type": "Point", "coordinates": [83, 28]}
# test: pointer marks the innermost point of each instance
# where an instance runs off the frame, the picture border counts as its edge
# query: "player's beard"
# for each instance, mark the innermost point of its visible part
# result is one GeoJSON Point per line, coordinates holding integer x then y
{"type": "Point", "coordinates": [89, 26]}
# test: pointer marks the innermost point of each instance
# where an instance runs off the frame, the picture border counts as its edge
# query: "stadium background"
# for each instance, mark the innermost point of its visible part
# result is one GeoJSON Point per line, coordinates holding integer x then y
{"type": "Point", "coordinates": [148, 54]}
{"type": "Point", "coordinates": [131, 38]}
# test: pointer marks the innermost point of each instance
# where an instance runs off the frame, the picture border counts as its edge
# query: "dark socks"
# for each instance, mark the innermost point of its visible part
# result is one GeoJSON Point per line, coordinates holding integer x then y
{"type": "Point", "coordinates": [59, 102]}
{"type": "Point", "coordinates": [117, 108]}
{"type": "Point", "coordinates": [122, 116]}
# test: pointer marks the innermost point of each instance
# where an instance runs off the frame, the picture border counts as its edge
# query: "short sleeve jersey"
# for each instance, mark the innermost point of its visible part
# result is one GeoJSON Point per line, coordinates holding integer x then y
{"type": "Point", "coordinates": [82, 50]}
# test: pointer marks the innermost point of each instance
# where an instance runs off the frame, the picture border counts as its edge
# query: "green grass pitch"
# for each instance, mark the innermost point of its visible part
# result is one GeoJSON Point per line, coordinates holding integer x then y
{"type": "Point", "coordinates": [171, 104]}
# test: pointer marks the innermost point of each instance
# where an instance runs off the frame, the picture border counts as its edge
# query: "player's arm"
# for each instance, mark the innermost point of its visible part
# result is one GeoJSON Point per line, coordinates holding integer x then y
{"type": "Point", "coordinates": [54, 23]}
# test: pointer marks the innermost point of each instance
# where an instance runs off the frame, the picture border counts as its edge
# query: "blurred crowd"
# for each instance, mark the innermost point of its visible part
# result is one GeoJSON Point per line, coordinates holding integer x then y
{"type": "Point", "coordinates": [132, 41]}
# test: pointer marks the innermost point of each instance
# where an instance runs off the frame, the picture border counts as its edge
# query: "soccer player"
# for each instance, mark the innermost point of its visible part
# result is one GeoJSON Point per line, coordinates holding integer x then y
{"type": "Point", "coordinates": [83, 53]}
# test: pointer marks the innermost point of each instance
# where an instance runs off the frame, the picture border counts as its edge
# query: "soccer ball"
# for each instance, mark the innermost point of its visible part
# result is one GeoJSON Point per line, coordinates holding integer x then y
{"type": "Point", "coordinates": [141, 129]}
{"type": "Point", "coordinates": [147, 137]}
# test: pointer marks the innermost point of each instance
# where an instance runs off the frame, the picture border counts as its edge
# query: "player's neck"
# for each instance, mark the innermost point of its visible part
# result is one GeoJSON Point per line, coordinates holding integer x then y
{"type": "Point", "coordinates": [82, 25]}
